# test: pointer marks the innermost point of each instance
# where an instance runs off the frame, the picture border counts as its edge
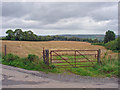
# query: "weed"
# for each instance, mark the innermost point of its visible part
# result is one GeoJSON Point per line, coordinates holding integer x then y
{"type": "Point", "coordinates": [108, 68]}
{"type": "Point", "coordinates": [10, 57]}
{"type": "Point", "coordinates": [32, 57]}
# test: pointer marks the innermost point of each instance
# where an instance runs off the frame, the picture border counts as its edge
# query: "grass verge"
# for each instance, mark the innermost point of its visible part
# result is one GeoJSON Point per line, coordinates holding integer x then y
{"type": "Point", "coordinates": [108, 68]}
{"type": "Point", "coordinates": [31, 62]}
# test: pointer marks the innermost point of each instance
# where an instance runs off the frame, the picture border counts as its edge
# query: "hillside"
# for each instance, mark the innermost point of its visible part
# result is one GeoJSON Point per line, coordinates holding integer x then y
{"type": "Point", "coordinates": [23, 48]}
{"type": "Point", "coordinates": [92, 36]}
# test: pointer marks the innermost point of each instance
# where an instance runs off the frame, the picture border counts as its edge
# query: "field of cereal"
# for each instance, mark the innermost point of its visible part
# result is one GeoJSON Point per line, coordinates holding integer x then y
{"type": "Point", "coordinates": [23, 48]}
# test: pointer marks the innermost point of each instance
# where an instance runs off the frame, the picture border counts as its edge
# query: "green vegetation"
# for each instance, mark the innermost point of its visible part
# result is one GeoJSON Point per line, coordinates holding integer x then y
{"type": "Point", "coordinates": [31, 62]}
{"type": "Point", "coordinates": [19, 35]}
{"type": "Point", "coordinates": [108, 68]}
{"type": "Point", "coordinates": [110, 42]}
{"type": "Point", "coordinates": [109, 39]}
{"type": "Point", "coordinates": [72, 61]}
{"type": "Point", "coordinates": [113, 45]}
{"type": "Point", "coordinates": [109, 36]}
{"type": "Point", "coordinates": [101, 44]}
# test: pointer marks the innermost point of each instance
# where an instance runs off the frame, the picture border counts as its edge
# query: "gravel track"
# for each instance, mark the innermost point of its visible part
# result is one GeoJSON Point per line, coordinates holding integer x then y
{"type": "Point", "coordinates": [13, 77]}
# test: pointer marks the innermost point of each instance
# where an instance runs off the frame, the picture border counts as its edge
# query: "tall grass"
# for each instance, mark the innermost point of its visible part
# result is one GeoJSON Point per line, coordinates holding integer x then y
{"type": "Point", "coordinates": [108, 68]}
{"type": "Point", "coordinates": [31, 62]}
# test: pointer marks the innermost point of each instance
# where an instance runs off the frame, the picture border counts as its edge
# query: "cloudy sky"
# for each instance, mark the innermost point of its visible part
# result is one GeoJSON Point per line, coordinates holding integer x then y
{"type": "Point", "coordinates": [50, 18]}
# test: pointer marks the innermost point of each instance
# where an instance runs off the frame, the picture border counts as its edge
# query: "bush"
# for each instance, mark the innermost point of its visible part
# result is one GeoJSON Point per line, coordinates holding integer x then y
{"type": "Point", "coordinates": [31, 62]}
{"type": "Point", "coordinates": [10, 57]}
{"type": "Point", "coordinates": [32, 57]}
{"type": "Point", "coordinates": [52, 66]}
{"type": "Point", "coordinates": [112, 45]}
{"type": "Point", "coordinates": [102, 44]}
{"type": "Point", "coordinates": [109, 66]}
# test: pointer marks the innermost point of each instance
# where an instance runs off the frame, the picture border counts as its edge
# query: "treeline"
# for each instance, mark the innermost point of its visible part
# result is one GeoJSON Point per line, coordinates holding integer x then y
{"type": "Point", "coordinates": [110, 42]}
{"type": "Point", "coordinates": [19, 35]}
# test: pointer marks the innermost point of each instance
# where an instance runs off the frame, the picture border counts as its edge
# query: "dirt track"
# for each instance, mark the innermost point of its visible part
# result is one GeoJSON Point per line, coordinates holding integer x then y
{"type": "Point", "coordinates": [13, 77]}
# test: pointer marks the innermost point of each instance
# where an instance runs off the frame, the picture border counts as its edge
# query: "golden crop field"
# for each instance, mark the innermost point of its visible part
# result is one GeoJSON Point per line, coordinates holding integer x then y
{"type": "Point", "coordinates": [23, 48]}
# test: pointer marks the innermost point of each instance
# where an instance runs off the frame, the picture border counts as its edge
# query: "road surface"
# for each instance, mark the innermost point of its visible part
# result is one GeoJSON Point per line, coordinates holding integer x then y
{"type": "Point", "coordinates": [13, 77]}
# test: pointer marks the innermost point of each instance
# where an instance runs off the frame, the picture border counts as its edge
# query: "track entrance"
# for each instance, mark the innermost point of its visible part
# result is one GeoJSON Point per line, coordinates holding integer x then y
{"type": "Point", "coordinates": [74, 58]}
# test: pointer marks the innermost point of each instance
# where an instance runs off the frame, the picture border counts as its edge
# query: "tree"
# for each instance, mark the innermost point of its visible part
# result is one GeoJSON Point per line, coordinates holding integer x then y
{"type": "Point", "coordinates": [31, 35]}
{"type": "Point", "coordinates": [118, 40]}
{"type": "Point", "coordinates": [25, 36]}
{"type": "Point", "coordinates": [10, 34]}
{"type": "Point", "coordinates": [95, 40]}
{"type": "Point", "coordinates": [18, 34]}
{"type": "Point", "coordinates": [110, 35]}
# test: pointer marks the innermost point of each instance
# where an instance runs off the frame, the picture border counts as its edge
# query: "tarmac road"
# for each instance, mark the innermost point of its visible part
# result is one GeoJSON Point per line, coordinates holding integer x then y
{"type": "Point", "coordinates": [13, 77]}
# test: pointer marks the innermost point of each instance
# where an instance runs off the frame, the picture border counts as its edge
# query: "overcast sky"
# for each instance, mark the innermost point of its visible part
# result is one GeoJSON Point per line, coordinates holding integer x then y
{"type": "Point", "coordinates": [51, 18]}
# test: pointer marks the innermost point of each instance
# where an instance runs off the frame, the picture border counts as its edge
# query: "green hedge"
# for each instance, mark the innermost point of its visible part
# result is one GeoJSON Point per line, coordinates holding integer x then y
{"type": "Point", "coordinates": [31, 62]}
{"type": "Point", "coordinates": [113, 45]}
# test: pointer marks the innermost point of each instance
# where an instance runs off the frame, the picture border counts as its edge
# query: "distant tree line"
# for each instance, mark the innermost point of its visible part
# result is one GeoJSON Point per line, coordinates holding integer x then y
{"type": "Point", "coordinates": [110, 42]}
{"type": "Point", "coordinates": [19, 35]}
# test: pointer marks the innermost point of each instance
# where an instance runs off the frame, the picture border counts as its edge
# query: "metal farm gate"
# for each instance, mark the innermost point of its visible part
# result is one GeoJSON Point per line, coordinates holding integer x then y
{"type": "Point", "coordinates": [71, 58]}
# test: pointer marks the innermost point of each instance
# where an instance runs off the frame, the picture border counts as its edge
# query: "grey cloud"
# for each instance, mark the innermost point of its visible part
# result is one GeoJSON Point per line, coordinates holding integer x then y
{"type": "Point", "coordinates": [106, 13]}
{"type": "Point", "coordinates": [46, 16]}
{"type": "Point", "coordinates": [15, 9]}
{"type": "Point", "coordinates": [50, 13]}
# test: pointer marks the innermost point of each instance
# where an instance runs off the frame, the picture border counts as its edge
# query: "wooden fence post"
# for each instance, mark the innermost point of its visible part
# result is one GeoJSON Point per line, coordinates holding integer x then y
{"type": "Point", "coordinates": [5, 49]}
{"type": "Point", "coordinates": [75, 58]}
{"type": "Point", "coordinates": [47, 57]}
{"type": "Point", "coordinates": [50, 57]}
{"type": "Point", "coordinates": [43, 55]}
{"type": "Point", "coordinates": [98, 57]}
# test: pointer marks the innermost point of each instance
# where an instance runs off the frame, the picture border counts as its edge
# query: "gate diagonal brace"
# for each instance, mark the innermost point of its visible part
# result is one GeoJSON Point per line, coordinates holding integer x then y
{"type": "Point", "coordinates": [84, 57]}
{"type": "Point", "coordinates": [64, 59]}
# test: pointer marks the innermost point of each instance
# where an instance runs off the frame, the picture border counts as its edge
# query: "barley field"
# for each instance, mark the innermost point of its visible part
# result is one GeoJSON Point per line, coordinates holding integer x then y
{"type": "Point", "coordinates": [23, 48]}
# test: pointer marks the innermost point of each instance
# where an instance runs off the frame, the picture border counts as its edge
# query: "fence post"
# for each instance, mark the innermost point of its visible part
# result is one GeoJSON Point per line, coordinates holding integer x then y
{"type": "Point", "coordinates": [43, 55]}
{"type": "Point", "coordinates": [47, 57]}
{"type": "Point", "coordinates": [50, 57]}
{"type": "Point", "coordinates": [75, 58]}
{"type": "Point", "coordinates": [5, 49]}
{"type": "Point", "coordinates": [98, 57]}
